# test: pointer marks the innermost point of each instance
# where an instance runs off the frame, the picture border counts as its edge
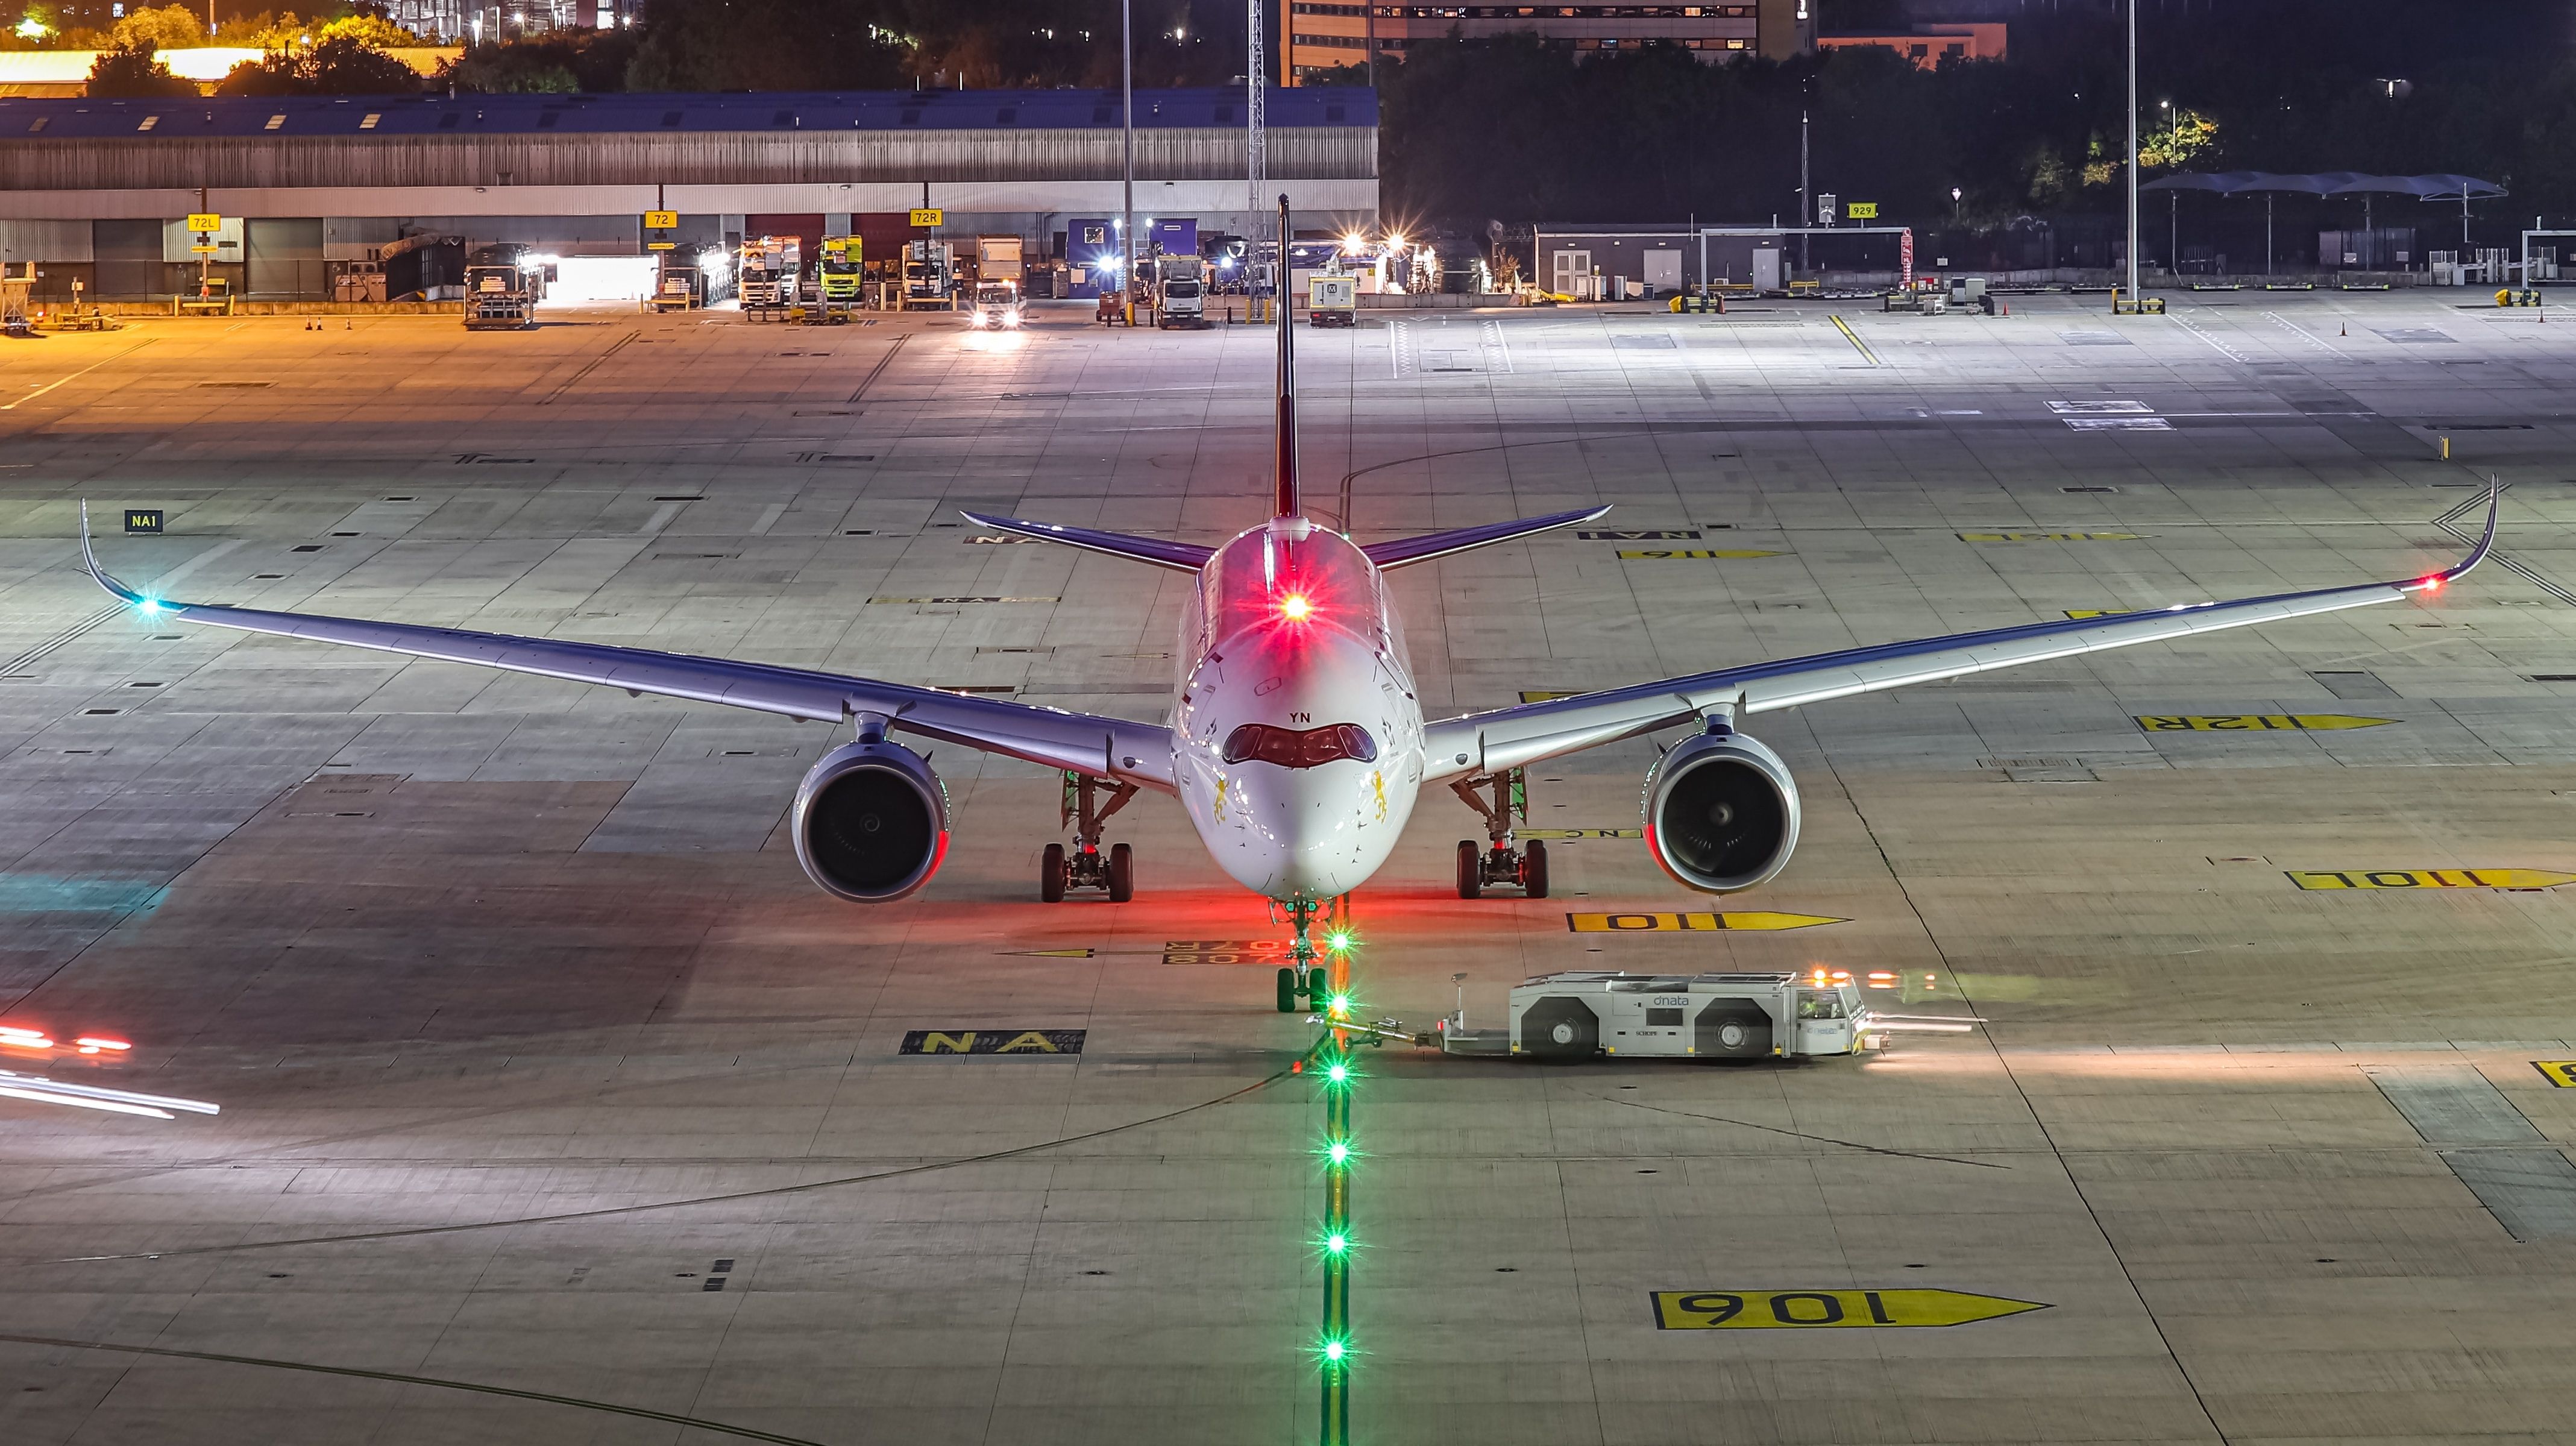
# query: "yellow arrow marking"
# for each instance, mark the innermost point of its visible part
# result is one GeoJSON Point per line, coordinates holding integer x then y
{"type": "Point", "coordinates": [1704, 1310]}
{"type": "Point", "coordinates": [2254, 722]}
{"type": "Point", "coordinates": [1692, 923]}
{"type": "Point", "coordinates": [2429, 878]}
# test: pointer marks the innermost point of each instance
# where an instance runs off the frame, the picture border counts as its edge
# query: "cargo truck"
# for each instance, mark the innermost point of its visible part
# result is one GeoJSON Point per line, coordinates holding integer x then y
{"type": "Point", "coordinates": [767, 270]}
{"type": "Point", "coordinates": [1180, 291]}
{"type": "Point", "coordinates": [839, 279]}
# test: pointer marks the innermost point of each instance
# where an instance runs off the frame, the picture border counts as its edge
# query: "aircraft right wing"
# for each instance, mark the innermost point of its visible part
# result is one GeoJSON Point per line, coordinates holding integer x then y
{"type": "Point", "coordinates": [1514, 737]}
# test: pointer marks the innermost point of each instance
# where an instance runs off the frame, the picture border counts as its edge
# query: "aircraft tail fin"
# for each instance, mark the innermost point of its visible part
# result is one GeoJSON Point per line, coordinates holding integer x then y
{"type": "Point", "coordinates": [1287, 504]}
{"type": "Point", "coordinates": [1404, 552]}
{"type": "Point", "coordinates": [1178, 556]}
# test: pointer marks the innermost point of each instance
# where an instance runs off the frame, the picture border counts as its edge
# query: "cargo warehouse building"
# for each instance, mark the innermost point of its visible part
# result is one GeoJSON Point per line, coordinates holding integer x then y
{"type": "Point", "coordinates": [99, 190]}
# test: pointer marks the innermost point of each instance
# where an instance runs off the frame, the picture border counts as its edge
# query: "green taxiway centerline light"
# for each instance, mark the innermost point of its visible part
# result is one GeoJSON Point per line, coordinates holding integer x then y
{"type": "Point", "coordinates": [1335, 1351]}
{"type": "Point", "coordinates": [1336, 1244]}
{"type": "Point", "coordinates": [1338, 1152]}
{"type": "Point", "coordinates": [1339, 1006]}
{"type": "Point", "coordinates": [1339, 941]}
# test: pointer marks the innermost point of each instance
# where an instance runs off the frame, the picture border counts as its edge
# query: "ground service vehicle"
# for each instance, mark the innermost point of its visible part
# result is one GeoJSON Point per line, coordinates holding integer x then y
{"type": "Point", "coordinates": [997, 307]}
{"type": "Point", "coordinates": [1180, 284]}
{"type": "Point", "coordinates": [1333, 300]}
{"type": "Point", "coordinates": [999, 258]}
{"type": "Point", "coordinates": [503, 285]}
{"type": "Point", "coordinates": [767, 271]}
{"type": "Point", "coordinates": [929, 276]}
{"type": "Point", "coordinates": [839, 278]}
{"type": "Point", "coordinates": [1297, 745]}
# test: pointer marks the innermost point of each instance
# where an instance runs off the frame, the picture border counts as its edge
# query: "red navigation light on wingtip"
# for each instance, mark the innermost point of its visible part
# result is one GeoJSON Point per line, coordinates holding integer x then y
{"type": "Point", "coordinates": [2431, 584]}
{"type": "Point", "coordinates": [1295, 608]}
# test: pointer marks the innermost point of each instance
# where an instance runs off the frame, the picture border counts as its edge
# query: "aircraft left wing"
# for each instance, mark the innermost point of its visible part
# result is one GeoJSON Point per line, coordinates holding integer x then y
{"type": "Point", "coordinates": [1050, 737]}
{"type": "Point", "coordinates": [1514, 737]}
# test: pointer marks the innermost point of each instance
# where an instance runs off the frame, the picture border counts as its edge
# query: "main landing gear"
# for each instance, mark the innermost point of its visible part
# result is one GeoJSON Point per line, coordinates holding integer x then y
{"type": "Point", "coordinates": [1086, 867]}
{"type": "Point", "coordinates": [1500, 863]}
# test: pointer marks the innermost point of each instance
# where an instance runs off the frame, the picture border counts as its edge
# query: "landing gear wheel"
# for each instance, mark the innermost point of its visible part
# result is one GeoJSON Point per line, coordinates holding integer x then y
{"type": "Point", "coordinates": [1471, 869]}
{"type": "Point", "coordinates": [1122, 873]}
{"type": "Point", "coordinates": [1534, 870]}
{"type": "Point", "coordinates": [1287, 991]}
{"type": "Point", "coordinates": [1051, 875]}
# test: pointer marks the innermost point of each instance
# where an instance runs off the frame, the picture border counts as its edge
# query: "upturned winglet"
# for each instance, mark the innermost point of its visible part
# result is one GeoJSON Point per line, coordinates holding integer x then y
{"type": "Point", "coordinates": [89, 560]}
{"type": "Point", "coordinates": [2434, 581]}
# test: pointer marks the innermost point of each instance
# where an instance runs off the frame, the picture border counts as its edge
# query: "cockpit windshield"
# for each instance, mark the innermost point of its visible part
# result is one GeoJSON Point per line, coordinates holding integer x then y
{"type": "Point", "coordinates": [1295, 748]}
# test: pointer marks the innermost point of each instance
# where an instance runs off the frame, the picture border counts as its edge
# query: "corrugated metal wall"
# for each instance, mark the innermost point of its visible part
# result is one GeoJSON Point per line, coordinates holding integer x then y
{"type": "Point", "coordinates": [179, 161]}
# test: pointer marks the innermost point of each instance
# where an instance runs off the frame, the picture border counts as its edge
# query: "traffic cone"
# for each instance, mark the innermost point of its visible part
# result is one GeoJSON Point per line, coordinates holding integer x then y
{"type": "Point", "coordinates": [2343, 331]}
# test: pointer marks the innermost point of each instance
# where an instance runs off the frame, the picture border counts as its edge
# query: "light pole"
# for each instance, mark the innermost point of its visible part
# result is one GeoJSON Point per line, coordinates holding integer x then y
{"type": "Point", "coordinates": [1127, 193]}
{"type": "Point", "coordinates": [2173, 199]}
{"type": "Point", "coordinates": [2133, 152]}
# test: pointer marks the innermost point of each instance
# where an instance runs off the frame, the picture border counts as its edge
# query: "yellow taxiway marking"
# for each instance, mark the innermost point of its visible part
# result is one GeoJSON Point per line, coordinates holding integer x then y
{"type": "Point", "coordinates": [1554, 834]}
{"type": "Point", "coordinates": [2253, 722]}
{"type": "Point", "coordinates": [1858, 345]}
{"type": "Point", "coordinates": [1704, 1310]}
{"type": "Point", "coordinates": [1544, 695]}
{"type": "Point", "coordinates": [2560, 1072]}
{"type": "Point", "coordinates": [2429, 878]}
{"type": "Point", "coordinates": [1758, 919]}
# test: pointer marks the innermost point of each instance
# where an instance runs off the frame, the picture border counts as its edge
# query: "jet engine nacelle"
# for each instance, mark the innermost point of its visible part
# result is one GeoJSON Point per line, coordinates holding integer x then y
{"type": "Point", "coordinates": [871, 822]}
{"type": "Point", "coordinates": [1721, 813]}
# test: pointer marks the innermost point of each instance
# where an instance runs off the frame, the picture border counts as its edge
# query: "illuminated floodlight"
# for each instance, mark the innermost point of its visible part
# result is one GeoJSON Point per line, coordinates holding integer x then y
{"type": "Point", "coordinates": [1354, 243]}
{"type": "Point", "coordinates": [1396, 241]}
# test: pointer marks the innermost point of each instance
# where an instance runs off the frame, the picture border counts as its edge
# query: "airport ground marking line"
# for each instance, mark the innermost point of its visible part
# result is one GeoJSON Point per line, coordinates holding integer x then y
{"type": "Point", "coordinates": [1853, 337]}
{"type": "Point", "coordinates": [810, 1186]}
{"type": "Point", "coordinates": [744, 1432]}
{"type": "Point", "coordinates": [76, 376]}
{"type": "Point", "coordinates": [1795, 1134]}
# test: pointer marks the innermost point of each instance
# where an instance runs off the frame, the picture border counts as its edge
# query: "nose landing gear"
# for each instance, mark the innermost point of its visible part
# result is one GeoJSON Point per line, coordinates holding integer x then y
{"type": "Point", "coordinates": [1499, 863]}
{"type": "Point", "coordinates": [1305, 978]}
{"type": "Point", "coordinates": [1086, 866]}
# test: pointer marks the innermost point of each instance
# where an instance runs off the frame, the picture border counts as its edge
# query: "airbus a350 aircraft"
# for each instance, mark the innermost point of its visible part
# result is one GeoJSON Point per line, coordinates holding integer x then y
{"type": "Point", "coordinates": [1297, 745]}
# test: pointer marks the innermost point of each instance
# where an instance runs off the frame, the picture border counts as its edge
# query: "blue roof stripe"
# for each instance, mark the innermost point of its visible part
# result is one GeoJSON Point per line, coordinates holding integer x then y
{"type": "Point", "coordinates": [760, 112]}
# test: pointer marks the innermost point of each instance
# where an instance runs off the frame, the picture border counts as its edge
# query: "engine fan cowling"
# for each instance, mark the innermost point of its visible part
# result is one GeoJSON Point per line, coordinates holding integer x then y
{"type": "Point", "coordinates": [1721, 813]}
{"type": "Point", "coordinates": [871, 822]}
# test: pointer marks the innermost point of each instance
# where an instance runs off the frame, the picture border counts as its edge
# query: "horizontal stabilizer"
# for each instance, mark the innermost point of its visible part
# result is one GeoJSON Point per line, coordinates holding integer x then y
{"type": "Point", "coordinates": [1404, 552]}
{"type": "Point", "coordinates": [1178, 556]}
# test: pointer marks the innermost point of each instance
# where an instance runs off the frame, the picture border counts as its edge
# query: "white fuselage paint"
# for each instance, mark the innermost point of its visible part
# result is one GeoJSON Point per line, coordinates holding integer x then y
{"type": "Point", "coordinates": [1295, 833]}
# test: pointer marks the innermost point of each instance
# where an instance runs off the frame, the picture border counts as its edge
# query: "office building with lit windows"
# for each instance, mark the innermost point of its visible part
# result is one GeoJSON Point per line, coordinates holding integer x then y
{"type": "Point", "coordinates": [1324, 34]}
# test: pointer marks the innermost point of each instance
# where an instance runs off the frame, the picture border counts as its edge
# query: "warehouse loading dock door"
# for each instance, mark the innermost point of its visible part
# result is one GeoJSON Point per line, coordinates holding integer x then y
{"type": "Point", "coordinates": [1568, 272]}
{"type": "Point", "coordinates": [285, 258]}
{"type": "Point", "coordinates": [807, 229]}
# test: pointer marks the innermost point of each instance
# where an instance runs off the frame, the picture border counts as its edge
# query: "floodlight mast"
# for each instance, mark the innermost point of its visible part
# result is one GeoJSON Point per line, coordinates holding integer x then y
{"type": "Point", "coordinates": [1127, 190]}
{"type": "Point", "coordinates": [2133, 153]}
